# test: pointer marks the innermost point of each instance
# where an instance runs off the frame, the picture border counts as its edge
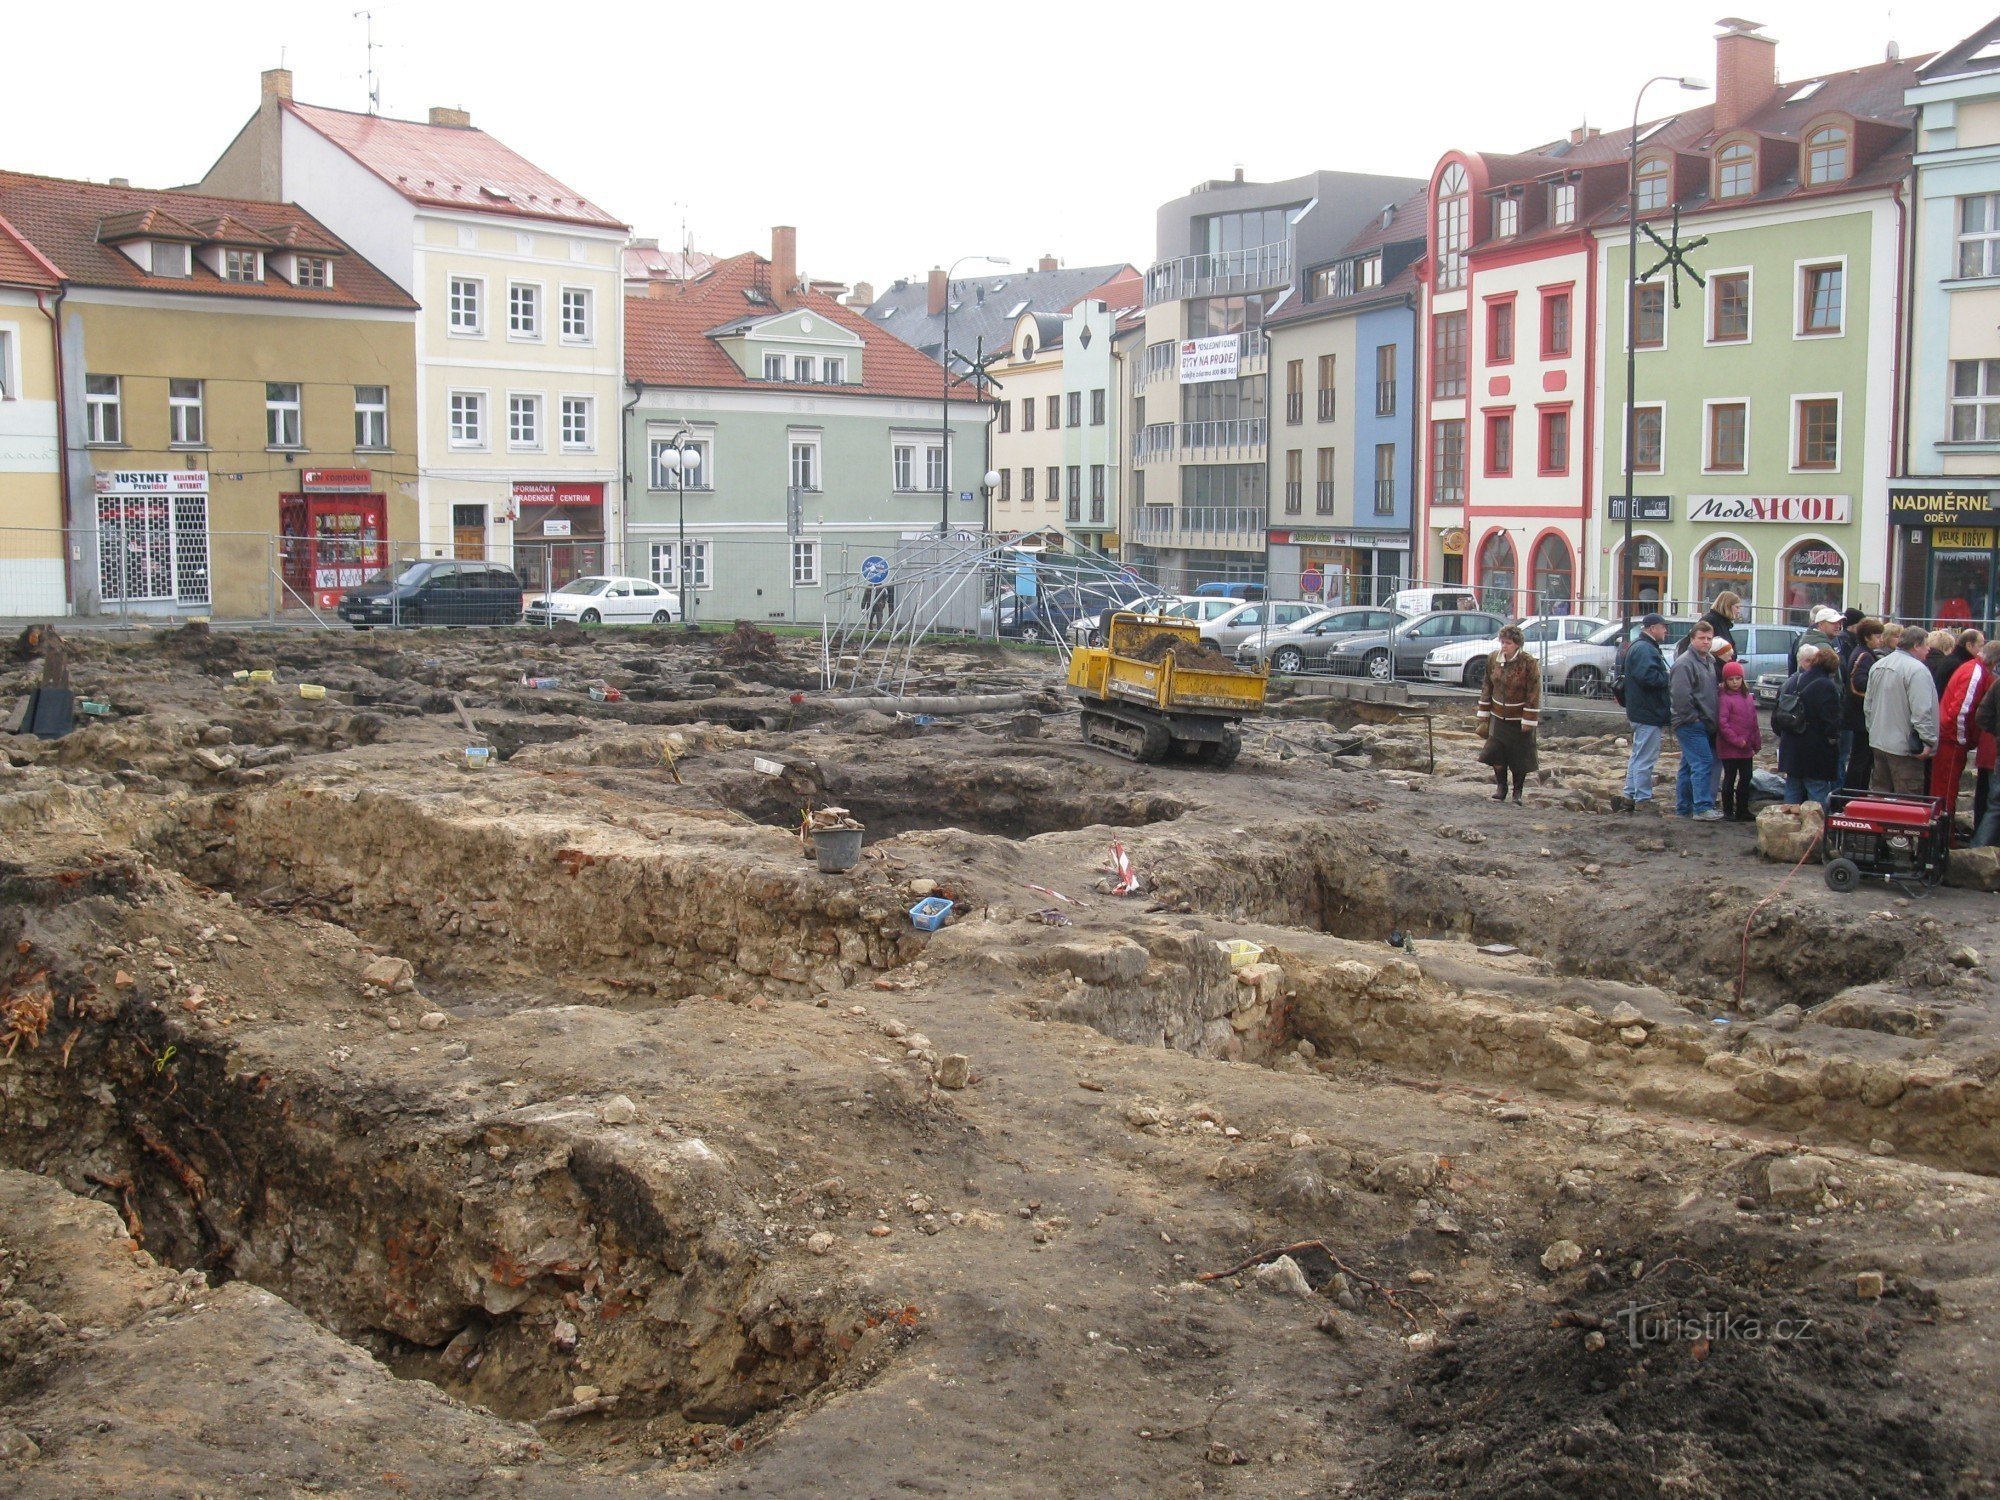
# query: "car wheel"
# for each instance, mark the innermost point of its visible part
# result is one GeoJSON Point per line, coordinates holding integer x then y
{"type": "Point", "coordinates": [1585, 682]}
{"type": "Point", "coordinates": [1288, 659]}
{"type": "Point", "coordinates": [663, 617]}
{"type": "Point", "coordinates": [412, 618]}
{"type": "Point", "coordinates": [1475, 672]}
{"type": "Point", "coordinates": [590, 617]}
{"type": "Point", "coordinates": [1376, 664]}
{"type": "Point", "coordinates": [1031, 633]}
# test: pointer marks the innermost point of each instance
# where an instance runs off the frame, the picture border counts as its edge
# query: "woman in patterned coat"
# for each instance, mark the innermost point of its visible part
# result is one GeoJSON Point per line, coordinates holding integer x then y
{"type": "Point", "coordinates": [1510, 708]}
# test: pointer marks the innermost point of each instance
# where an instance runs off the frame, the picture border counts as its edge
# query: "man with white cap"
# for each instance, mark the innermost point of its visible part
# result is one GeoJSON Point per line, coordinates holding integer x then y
{"type": "Point", "coordinates": [1823, 631]}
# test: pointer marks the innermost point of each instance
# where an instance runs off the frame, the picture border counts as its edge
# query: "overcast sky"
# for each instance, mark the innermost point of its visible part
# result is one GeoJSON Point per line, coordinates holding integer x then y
{"type": "Point", "coordinates": [897, 134]}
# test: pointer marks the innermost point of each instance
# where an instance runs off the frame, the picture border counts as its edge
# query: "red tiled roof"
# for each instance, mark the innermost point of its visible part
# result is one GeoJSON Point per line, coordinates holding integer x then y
{"type": "Point", "coordinates": [667, 342]}
{"type": "Point", "coordinates": [21, 264]}
{"type": "Point", "coordinates": [62, 220]}
{"type": "Point", "coordinates": [452, 166]}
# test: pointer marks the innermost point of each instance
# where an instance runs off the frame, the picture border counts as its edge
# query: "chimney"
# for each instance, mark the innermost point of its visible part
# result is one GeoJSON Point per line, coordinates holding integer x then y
{"type": "Point", "coordinates": [277, 83]}
{"type": "Point", "coordinates": [1239, 172]}
{"type": "Point", "coordinates": [939, 291]}
{"type": "Point", "coordinates": [1746, 72]}
{"type": "Point", "coordinates": [462, 119]}
{"type": "Point", "coordinates": [1582, 133]}
{"type": "Point", "coordinates": [784, 260]}
{"type": "Point", "coordinates": [863, 294]}
{"type": "Point", "coordinates": [1048, 263]}
{"type": "Point", "coordinates": [121, 182]}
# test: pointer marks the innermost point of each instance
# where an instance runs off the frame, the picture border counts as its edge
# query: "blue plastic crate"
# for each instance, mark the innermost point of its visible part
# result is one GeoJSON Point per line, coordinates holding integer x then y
{"type": "Point", "coordinates": [928, 914]}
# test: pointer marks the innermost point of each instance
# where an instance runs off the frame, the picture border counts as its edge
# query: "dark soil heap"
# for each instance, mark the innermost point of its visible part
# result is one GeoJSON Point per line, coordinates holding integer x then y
{"type": "Point", "coordinates": [747, 644]}
{"type": "Point", "coordinates": [1196, 654]}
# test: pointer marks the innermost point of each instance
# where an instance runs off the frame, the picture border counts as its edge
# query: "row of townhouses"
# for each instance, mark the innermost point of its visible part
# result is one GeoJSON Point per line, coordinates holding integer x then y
{"type": "Point", "coordinates": [358, 338]}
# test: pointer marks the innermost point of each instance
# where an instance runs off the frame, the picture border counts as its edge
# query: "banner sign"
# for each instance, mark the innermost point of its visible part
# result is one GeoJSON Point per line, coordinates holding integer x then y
{"type": "Point", "coordinates": [336, 481]}
{"type": "Point", "coordinates": [1651, 508]}
{"type": "Point", "coordinates": [1788, 510]}
{"type": "Point", "coordinates": [153, 482]}
{"type": "Point", "coordinates": [1943, 507]}
{"type": "Point", "coordinates": [1209, 359]}
{"type": "Point", "coordinates": [557, 492]}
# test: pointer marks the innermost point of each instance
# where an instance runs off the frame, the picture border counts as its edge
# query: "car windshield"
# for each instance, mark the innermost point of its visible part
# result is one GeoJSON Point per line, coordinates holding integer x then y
{"type": "Point", "coordinates": [1607, 636]}
{"type": "Point", "coordinates": [583, 586]}
{"type": "Point", "coordinates": [406, 571]}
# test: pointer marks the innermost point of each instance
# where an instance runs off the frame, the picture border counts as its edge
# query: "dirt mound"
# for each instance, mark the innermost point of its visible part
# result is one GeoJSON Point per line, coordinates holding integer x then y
{"type": "Point", "coordinates": [1707, 1383]}
{"type": "Point", "coordinates": [1197, 654]}
{"type": "Point", "coordinates": [747, 644]}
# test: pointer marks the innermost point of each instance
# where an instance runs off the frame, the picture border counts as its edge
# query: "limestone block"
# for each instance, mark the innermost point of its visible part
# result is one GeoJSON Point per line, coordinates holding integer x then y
{"type": "Point", "coordinates": [1785, 833]}
{"type": "Point", "coordinates": [1974, 869]}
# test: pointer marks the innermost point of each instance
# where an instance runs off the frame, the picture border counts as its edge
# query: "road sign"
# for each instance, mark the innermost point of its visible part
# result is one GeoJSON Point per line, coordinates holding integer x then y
{"type": "Point", "coordinates": [875, 570]}
{"type": "Point", "coordinates": [1309, 581]}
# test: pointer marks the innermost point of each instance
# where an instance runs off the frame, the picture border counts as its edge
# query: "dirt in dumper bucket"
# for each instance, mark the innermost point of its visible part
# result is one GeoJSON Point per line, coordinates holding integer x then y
{"type": "Point", "coordinates": [1197, 654]}
{"type": "Point", "coordinates": [1689, 1383]}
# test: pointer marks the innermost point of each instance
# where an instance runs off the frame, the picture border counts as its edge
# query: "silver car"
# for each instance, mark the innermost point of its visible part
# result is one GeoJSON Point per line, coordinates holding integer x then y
{"type": "Point", "coordinates": [1258, 617]}
{"type": "Point", "coordinates": [1464, 662]}
{"type": "Point", "coordinates": [1401, 652]}
{"type": "Point", "coordinates": [1306, 646]}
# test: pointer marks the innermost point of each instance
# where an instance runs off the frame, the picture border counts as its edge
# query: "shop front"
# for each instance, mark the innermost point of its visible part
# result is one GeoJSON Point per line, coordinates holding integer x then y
{"type": "Point", "coordinates": [558, 531]}
{"type": "Point", "coordinates": [333, 536]}
{"type": "Point", "coordinates": [1339, 567]}
{"type": "Point", "coordinates": [1947, 550]}
{"type": "Point", "coordinates": [153, 539]}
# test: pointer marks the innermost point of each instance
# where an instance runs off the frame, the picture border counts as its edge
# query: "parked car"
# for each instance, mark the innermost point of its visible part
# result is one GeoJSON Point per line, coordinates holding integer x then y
{"type": "Point", "coordinates": [1587, 669]}
{"type": "Point", "coordinates": [1201, 608]}
{"type": "Point", "coordinates": [1227, 632]}
{"type": "Point", "coordinates": [435, 591]}
{"type": "Point", "coordinates": [1306, 646]}
{"type": "Point", "coordinates": [1412, 602]}
{"type": "Point", "coordinates": [1238, 591]}
{"type": "Point", "coordinates": [1766, 649]}
{"type": "Point", "coordinates": [1401, 652]}
{"type": "Point", "coordinates": [598, 600]}
{"type": "Point", "coordinates": [1464, 662]}
{"type": "Point", "coordinates": [1110, 598]}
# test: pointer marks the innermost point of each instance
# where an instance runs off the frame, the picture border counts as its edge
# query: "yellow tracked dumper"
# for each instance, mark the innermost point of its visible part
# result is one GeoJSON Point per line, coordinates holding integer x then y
{"type": "Point", "coordinates": [1147, 693]}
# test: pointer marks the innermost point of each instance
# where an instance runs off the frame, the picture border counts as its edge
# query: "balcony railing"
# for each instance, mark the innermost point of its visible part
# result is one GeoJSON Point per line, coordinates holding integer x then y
{"type": "Point", "coordinates": [1220, 273]}
{"type": "Point", "coordinates": [1294, 491]}
{"type": "Point", "coordinates": [1295, 407]}
{"type": "Point", "coordinates": [1201, 526]}
{"type": "Point", "coordinates": [1155, 440]}
{"type": "Point", "coordinates": [1323, 497]}
{"type": "Point", "coordinates": [1236, 432]}
{"type": "Point", "coordinates": [1329, 403]}
{"type": "Point", "coordinates": [1157, 362]}
{"type": "Point", "coordinates": [1385, 398]}
{"type": "Point", "coordinates": [1385, 497]}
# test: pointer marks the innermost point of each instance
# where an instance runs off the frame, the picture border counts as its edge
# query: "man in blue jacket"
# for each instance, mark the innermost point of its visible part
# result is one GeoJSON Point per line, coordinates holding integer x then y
{"type": "Point", "coordinates": [1649, 707]}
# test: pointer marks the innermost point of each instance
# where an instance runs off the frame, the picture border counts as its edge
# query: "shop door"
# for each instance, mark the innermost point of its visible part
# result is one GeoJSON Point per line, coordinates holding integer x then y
{"type": "Point", "coordinates": [468, 532]}
{"type": "Point", "coordinates": [1649, 576]}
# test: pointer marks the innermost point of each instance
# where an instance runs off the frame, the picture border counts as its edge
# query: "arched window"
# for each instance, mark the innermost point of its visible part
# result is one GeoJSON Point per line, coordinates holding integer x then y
{"type": "Point", "coordinates": [1725, 565]}
{"type": "Point", "coordinates": [1735, 170]}
{"type": "Point", "coordinates": [1497, 572]}
{"type": "Point", "coordinates": [1555, 576]}
{"type": "Point", "coordinates": [1652, 184]}
{"type": "Point", "coordinates": [1814, 575]}
{"type": "Point", "coordinates": [1826, 155]}
{"type": "Point", "coordinates": [1453, 227]}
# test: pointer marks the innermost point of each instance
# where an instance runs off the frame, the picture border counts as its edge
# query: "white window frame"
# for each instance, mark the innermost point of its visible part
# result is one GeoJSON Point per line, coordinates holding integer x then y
{"type": "Point", "coordinates": [1749, 273]}
{"type": "Point", "coordinates": [1506, 217]}
{"type": "Point", "coordinates": [805, 369]}
{"type": "Point", "coordinates": [1988, 238]}
{"type": "Point", "coordinates": [769, 356]}
{"type": "Point", "coordinates": [178, 405]}
{"type": "Point", "coordinates": [97, 432]}
{"type": "Point", "coordinates": [456, 325]}
{"type": "Point", "coordinates": [275, 408]}
{"type": "Point", "coordinates": [903, 467]}
{"type": "Point", "coordinates": [805, 563]}
{"type": "Point", "coordinates": [370, 409]}
{"type": "Point", "coordinates": [700, 551]}
{"type": "Point", "coordinates": [10, 362]}
{"type": "Point", "coordinates": [587, 407]}
{"type": "Point", "coordinates": [531, 332]}
{"type": "Point", "coordinates": [1562, 203]}
{"type": "Point", "coordinates": [589, 332]}
{"type": "Point", "coordinates": [1708, 434]}
{"type": "Point", "coordinates": [153, 249]}
{"type": "Point", "coordinates": [252, 259]}
{"type": "Point", "coordinates": [474, 402]}
{"type": "Point", "coordinates": [315, 271]}
{"type": "Point", "coordinates": [1976, 402]}
{"type": "Point", "coordinates": [1799, 270]}
{"type": "Point", "coordinates": [659, 481]}
{"type": "Point", "coordinates": [1839, 401]}
{"type": "Point", "coordinates": [937, 467]}
{"type": "Point", "coordinates": [796, 439]}
{"type": "Point", "coordinates": [530, 402]}
{"type": "Point", "coordinates": [833, 369]}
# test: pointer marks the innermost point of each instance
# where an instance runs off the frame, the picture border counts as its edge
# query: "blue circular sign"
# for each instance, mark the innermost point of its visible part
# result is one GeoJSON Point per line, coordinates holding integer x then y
{"type": "Point", "coordinates": [875, 569]}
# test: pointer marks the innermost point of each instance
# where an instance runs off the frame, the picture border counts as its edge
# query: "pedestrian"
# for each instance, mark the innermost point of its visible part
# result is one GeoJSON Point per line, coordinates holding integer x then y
{"type": "Point", "coordinates": [1649, 709]}
{"type": "Point", "coordinates": [1986, 718]}
{"type": "Point", "coordinates": [1965, 648]}
{"type": "Point", "coordinates": [1738, 739]}
{"type": "Point", "coordinates": [1859, 758]}
{"type": "Point", "coordinates": [1510, 708]}
{"type": "Point", "coordinates": [1849, 639]}
{"type": "Point", "coordinates": [1901, 708]}
{"type": "Point", "coordinates": [1938, 659]}
{"type": "Point", "coordinates": [1958, 733]}
{"type": "Point", "coordinates": [1695, 691]}
{"type": "Point", "coordinates": [1807, 720]}
{"type": "Point", "coordinates": [1722, 615]}
{"type": "Point", "coordinates": [1824, 630]}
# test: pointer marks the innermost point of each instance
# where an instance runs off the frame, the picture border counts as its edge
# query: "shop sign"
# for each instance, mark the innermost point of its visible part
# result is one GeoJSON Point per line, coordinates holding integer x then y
{"type": "Point", "coordinates": [1651, 508]}
{"type": "Point", "coordinates": [336, 481]}
{"type": "Point", "coordinates": [1210, 358]}
{"type": "Point", "coordinates": [557, 492]}
{"type": "Point", "coordinates": [1943, 507]}
{"type": "Point", "coordinates": [1647, 554]}
{"type": "Point", "coordinates": [1394, 539]}
{"type": "Point", "coordinates": [555, 527]}
{"type": "Point", "coordinates": [1962, 538]}
{"type": "Point", "coordinates": [1816, 562]}
{"type": "Point", "coordinates": [1787, 510]}
{"type": "Point", "coordinates": [1453, 541]}
{"type": "Point", "coordinates": [153, 482]}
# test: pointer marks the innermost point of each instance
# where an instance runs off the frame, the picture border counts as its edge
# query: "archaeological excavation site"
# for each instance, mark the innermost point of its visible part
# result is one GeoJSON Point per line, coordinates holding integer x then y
{"type": "Point", "coordinates": [603, 1062]}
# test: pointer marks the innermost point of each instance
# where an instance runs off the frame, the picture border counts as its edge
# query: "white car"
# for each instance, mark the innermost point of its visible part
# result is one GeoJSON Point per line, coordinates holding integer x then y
{"type": "Point", "coordinates": [1464, 662]}
{"type": "Point", "coordinates": [598, 600]}
{"type": "Point", "coordinates": [1258, 617]}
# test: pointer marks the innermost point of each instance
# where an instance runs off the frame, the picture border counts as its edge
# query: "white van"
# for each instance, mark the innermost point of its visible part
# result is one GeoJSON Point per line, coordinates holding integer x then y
{"type": "Point", "coordinates": [1413, 602]}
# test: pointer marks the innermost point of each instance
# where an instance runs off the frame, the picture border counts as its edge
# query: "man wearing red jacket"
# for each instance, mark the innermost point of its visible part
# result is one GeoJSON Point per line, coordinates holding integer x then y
{"type": "Point", "coordinates": [1959, 736]}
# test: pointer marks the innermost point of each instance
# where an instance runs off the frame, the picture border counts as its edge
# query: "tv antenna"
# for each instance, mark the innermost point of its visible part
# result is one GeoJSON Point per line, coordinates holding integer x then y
{"type": "Point", "coordinates": [367, 17]}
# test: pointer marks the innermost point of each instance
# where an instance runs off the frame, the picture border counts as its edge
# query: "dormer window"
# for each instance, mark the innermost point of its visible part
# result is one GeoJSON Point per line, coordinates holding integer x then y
{"type": "Point", "coordinates": [1735, 170]}
{"type": "Point", "coordinates": [167, 258]}
{"type": "Point", "coordinates": [1507, 218]}
{"type": "Point", "coordinates": [1826, 155]}
{"type": "Point", "coordinates": [315, 270]}
{"type": "Point", "coordinates": [774, 367]}
{"type": "Point", "coordinates": [1562, 203]}
{"type": "Point", "coordinates": [802, 368]}
{"type": "Point", "coordinates": [1652, 194]}
{"type": "Point", "coordinates": [242, 265]}
{"type": "Point", "coordinates": [1368, 272]}
{"type": "Point", "coordinates": [833, 370]}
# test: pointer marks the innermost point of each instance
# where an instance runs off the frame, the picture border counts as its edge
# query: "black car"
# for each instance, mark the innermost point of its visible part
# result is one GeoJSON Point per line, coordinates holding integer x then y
{"type": "Point", "coordinates": [435, 591]}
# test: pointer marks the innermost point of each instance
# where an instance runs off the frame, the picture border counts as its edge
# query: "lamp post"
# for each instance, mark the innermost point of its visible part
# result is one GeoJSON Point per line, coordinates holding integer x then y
{"type": "Point", "coordinates": [680, 459]}
{"type": "Point", "coordinates": [1632, 354]}
{"type": "Point", "coordinates": [944, 416]}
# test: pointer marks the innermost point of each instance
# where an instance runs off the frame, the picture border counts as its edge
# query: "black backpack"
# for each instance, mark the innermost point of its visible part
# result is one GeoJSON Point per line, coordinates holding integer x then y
{"type": "Point", "coordinates": [1789, 716]}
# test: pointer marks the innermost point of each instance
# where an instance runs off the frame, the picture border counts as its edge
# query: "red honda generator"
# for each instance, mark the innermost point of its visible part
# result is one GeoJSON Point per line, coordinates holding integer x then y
{"type": "Point", "coordinates": [1901, 839]}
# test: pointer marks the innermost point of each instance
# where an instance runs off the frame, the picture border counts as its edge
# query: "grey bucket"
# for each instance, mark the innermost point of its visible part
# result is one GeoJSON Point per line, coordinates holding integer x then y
{"type": "Point", "coordinates": [837, 849]}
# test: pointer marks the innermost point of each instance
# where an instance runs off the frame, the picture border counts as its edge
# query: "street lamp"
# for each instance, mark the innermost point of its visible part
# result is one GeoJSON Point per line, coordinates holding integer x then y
{"type": "Point", "coordinates": [1631, 353]}
{"type": "Point", "coordinates": [680, 460]}
{"type": "Point", "coordinates": [944, 416]}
